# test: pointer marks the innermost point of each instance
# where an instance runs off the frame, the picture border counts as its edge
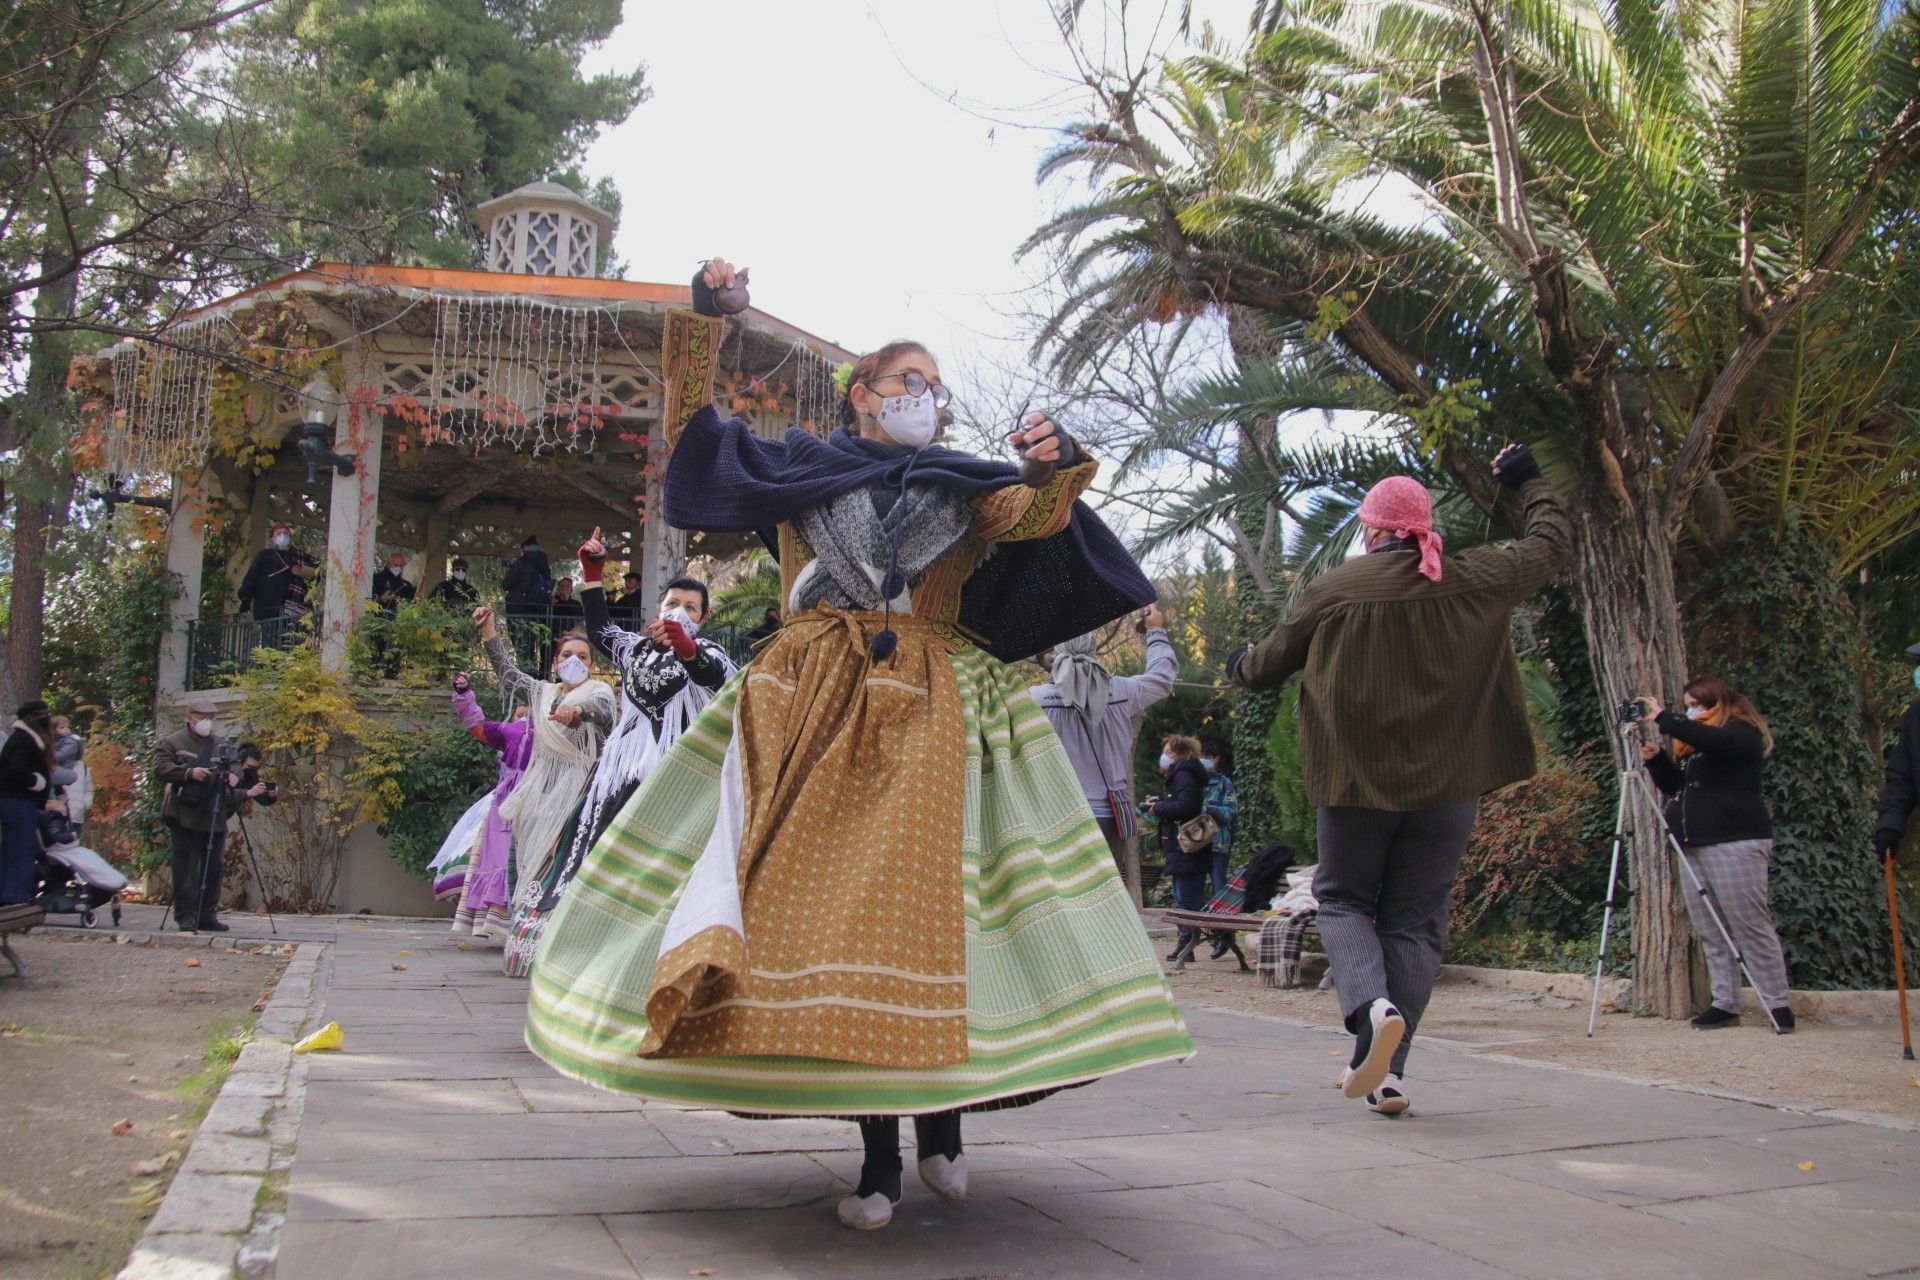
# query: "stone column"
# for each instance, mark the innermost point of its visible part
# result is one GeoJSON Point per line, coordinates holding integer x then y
{"type": "Point", "coordinates": [436, 530]}
{"type": "Point", "coordinates": [352, 522]}
{"type": "Point", "coordinates": [186, 558]}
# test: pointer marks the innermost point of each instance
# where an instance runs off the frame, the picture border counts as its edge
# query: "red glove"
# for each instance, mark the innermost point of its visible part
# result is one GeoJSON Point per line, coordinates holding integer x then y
{"type": "Point", "coordinates": [591, 565]}
{"type": "Point", "coordinates": [678, 640]}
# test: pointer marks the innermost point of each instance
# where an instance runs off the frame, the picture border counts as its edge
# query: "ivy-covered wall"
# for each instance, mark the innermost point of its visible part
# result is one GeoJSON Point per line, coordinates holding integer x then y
{"type": "Point", "coordinates": [1766, 615]}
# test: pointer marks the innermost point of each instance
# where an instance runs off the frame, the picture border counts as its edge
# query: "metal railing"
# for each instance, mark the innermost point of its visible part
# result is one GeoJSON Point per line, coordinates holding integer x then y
{"type": "Point", "coordinates": [218, 651]}
{"type": "Point", "coordinates": [530, 631]}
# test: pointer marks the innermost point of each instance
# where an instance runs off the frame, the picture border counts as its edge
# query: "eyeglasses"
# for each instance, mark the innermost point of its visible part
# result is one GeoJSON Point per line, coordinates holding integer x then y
{"type": "Point", "coordinates": [916, 384]}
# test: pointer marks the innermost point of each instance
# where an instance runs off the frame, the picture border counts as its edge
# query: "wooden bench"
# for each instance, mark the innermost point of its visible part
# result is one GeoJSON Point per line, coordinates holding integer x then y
{"type": "Point", "coordinates": [17, 918]}
{"type": "Point", "coordinates": [1223, 926]}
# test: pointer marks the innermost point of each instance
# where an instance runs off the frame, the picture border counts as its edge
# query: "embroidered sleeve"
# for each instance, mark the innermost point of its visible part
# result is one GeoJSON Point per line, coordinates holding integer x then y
{"type": "Point", "coordinates": [1017, 513]}
{"type": "Point", "coordinates": [687, 349]}
{"type": "Point", "coordinates": [515, 681]}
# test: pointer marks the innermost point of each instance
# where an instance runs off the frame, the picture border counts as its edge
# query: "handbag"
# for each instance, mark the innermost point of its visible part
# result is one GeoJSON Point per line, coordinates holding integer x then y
{"type": "Point", "coordinates": [1197, 833]}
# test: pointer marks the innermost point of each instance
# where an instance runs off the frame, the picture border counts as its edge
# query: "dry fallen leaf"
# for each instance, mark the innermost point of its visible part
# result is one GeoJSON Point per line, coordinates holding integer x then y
{"type": "Point", "coordinates": [123, 1127]}
{"type": "Point", "coordinates": [181, 1135]}
{"type": "Point", "coordinates": [399, 968]}
{"type": "Point", "coordinates": [147, 1168]}
{"type": "Point", "coordinates": [403, 953]}
{"type": "Point", "coordinates": [260, 1005]}
{"type": "Point", "coordinates": [463, 946]}
{"type": "Point", "coordinates": [1805, 1166]}
{"type": "Point", "coordinates": [1914, 1081]}
{"type": "Point", "coordinates": [191, 962]}
{"type": "Point", "coordinates": [701, 1271]}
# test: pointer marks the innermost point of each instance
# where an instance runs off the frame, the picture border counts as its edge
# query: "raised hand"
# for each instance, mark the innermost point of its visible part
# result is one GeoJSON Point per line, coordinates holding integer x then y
{"type": "Point", "coordinates": [595, 547]}
{"type": "Point", "coordinates": [1038, 438]}
{"type": "Point", "coordinates": [483, 623]}
{"type": "Point", "coordinates": [1152, 618]}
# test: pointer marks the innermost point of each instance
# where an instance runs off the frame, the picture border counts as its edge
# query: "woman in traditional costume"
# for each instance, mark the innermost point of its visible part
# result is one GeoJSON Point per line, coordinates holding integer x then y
{"type": "Point", "coordinates": [482, 907]}
{"type": "Point", "coordinates": [865, 882]}
{"type": "Point", "coordinates": [668, 673]}
{"type": "Point", "coordinates": [569, 718]}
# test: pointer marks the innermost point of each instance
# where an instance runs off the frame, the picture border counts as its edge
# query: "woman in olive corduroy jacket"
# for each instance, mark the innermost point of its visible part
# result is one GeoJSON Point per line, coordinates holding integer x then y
{"type": "Point", "coordinates": [1410, 710]}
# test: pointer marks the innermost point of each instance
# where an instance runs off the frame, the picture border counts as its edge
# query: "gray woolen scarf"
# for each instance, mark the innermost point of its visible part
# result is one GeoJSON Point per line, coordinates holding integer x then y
{"type": "Point", "coordinates": [850, 543]}
{"type": "Point", "coordinates": [1081, 680]}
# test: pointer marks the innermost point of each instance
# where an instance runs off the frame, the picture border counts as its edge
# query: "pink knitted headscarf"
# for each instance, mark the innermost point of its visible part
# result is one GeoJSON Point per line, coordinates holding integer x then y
{"type": "Point", "coordinates": [1402, 506]}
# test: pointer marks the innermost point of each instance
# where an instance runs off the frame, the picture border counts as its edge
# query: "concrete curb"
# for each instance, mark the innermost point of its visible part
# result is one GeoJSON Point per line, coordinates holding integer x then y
{"type": "Point", "coordinates": [218, 1220]}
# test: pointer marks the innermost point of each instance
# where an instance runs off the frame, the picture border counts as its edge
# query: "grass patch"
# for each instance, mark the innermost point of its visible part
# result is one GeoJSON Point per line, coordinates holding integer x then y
{"type": "Point", "coordinates": [217, 1057]}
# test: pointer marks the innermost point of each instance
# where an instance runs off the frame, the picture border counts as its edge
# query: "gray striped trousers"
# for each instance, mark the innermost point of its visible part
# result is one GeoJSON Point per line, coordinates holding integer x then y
{"type": "Point", "coordinates": [1736, 875]}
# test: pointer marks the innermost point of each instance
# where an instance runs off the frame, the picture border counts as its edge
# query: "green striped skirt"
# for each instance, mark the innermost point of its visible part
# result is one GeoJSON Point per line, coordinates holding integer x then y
{"type": "Point", "coordinates": [1062, 985]}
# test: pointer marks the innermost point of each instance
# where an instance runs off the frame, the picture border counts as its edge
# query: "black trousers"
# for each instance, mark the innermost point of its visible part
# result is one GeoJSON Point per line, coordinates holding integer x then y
{"type": "Point", "coordinates": [191, 903]}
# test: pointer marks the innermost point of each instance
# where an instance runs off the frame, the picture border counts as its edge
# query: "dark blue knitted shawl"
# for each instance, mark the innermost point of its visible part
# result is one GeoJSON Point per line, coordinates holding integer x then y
{"type": "Point", "coordinates": [1026, 597]}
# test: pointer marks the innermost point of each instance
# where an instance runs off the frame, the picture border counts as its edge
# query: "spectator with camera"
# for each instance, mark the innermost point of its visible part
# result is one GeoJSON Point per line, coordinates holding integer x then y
{"type": "Point", "coordinates": [1717, 813]}
{"type": "Point", "coordinates": [207, 782]}
{"type": "Point", "coordinates": [1410, 710]}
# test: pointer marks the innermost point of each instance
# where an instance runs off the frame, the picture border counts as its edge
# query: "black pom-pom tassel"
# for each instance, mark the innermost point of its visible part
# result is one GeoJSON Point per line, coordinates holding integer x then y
{"type": "Point", "coordinates": [893, 584]}
{"type": "Point", "coordinates": [884, 643]}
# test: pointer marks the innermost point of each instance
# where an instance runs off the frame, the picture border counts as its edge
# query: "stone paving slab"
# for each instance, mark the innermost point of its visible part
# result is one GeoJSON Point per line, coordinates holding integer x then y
{"type": "Point", "coordinates": [436, 1145]}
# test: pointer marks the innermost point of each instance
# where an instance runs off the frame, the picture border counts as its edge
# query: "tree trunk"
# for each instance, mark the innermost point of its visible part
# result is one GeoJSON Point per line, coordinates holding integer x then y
{"type": "Point", "coordinates": [37, 486]}
{"type": "Point", "coordinates": [1623, 580]}
{"type": "Point", "coordinates": [1252, 715]}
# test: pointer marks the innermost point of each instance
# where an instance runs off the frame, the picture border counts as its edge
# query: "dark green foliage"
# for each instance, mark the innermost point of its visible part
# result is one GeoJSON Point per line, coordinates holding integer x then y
{"type": "Point", "coordinates": [1767, 616]}
{"type": "Point", "coordinates": [405, 115]}
{"type": "Point", "coordinates": [448, 769]}
{"type": "Point", "coordinates": [1294, 818]}
{"type": "Point", "coordinates": [106, 613]}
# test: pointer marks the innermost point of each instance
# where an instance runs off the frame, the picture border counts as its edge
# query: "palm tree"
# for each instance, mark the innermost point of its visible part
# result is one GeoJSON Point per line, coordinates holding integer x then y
{"type": "Point", "coordinates": [1632, 226]}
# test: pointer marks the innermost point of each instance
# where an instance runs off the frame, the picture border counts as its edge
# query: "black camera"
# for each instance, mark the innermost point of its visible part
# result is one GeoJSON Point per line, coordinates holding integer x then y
{"type": "Point", "coordinates": [1631, 711]}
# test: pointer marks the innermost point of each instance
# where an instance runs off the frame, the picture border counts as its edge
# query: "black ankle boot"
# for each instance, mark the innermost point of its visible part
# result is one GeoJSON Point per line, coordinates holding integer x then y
{"type": "Point", "coordinates": [880, 1170]}
{"type": "Point", "coordinates": [1715, 1016]}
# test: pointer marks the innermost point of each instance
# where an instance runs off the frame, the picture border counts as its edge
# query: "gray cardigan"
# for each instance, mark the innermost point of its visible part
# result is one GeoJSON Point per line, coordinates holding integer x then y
{"type": "Point", "coordinates": [1104, 759]}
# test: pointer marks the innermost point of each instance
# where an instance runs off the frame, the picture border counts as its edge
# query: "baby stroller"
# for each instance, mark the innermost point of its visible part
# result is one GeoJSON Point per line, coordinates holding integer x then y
{"type": "Point", "coordinates": [73, 878]}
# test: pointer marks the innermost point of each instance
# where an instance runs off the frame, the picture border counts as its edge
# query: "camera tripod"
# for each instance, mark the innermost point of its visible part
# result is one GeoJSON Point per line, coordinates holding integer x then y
{"type": "Point", "coordinates": [215, 834]}
{"type": "Point", "coordinates": [1632, 773]}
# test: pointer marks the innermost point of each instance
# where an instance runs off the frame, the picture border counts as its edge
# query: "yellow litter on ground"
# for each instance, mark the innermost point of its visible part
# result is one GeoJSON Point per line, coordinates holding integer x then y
{"type": "Point", "coordinates": [327, 1037]}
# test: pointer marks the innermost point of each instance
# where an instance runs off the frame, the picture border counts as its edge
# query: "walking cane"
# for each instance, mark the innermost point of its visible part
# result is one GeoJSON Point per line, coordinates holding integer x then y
{"type": "Point", "coordinates": [1899, 964]}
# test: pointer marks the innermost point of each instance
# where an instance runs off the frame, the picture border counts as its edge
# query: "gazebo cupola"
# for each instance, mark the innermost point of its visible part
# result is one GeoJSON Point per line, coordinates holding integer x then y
{"type": "Point", "coordinates": [544, 229]}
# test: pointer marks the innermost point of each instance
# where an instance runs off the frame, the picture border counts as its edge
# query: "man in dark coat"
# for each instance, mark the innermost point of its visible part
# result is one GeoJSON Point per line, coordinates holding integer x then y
{"type": "Point", "coordinates": [529, 589]}
{"type": "Point", "coordinates": [1410, 710]}
{"type": "Point", "coordinates": [276, 583]}
{"type": "Point", "coordinates": [26, 779]}
{"type": "Point", "coordinates": [567, 611]}
{"type": "Point", "coordinates": [1903, 776]}
{"type": "Point", "coordinates": [629, 608]}
{"type": "Point", "coordinates": [454, 592]}
{"type": "Point", "coordinates": [390, 586]}
{"type": "Point", "coordinates": [187, 763]}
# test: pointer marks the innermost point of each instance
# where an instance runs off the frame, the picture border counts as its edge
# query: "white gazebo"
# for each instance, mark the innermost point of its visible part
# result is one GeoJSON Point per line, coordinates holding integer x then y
{"type": "Point", "coordinates": [475, 406]}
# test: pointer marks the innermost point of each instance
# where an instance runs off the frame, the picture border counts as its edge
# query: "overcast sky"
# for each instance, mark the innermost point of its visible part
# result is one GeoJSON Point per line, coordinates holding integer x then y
{"type": "Point", "coordinates": [816, 143]}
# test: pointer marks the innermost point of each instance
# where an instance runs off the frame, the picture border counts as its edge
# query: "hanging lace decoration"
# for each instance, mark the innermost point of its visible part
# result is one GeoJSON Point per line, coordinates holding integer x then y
{"type": "Point", "coordinates": [163, 401]}
{"type": "Point", "coordinates": [519, 372]}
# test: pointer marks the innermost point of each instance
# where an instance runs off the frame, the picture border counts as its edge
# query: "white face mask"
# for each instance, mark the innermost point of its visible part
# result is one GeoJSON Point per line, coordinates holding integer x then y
{"type": "Point", "coordinates": [203, 727]}
{"type": "Point", "coordinates": [459, 575]}
{"type": "Point", "coordinates": [573, 669]}
{"type": "Point", "coordinates": [1166, 762]}
{"type": "Point", "coordinates": [1698, 713]}
{"type": "Point", "coordinates": [911, 420]}
{"type": "Point", "coordinates": [679, 614]}
{"type": "Point", "coordinates": [281, 541]}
